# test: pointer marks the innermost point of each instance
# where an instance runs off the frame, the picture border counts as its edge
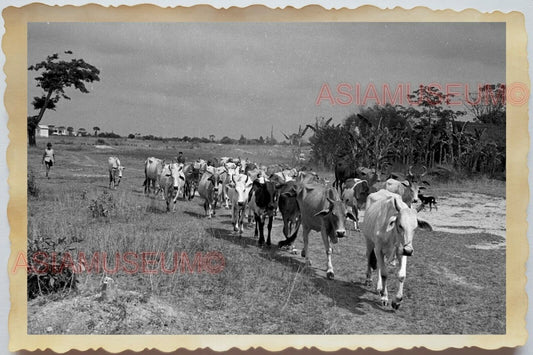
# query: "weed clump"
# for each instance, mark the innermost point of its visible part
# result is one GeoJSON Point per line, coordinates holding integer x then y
{"type": "Point", "coordinates": [33, 189]}
{"type": "Point", "coordinates": [50, 267]}
{"type": "Point", "coordinates": [103, 206]}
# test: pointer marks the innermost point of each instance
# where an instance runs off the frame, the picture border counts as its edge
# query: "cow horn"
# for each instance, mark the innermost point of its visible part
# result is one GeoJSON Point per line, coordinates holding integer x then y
{"type": "Point", "coordinates": [425, 171]}
{"type": "Point", "coordinates": [396, 204]}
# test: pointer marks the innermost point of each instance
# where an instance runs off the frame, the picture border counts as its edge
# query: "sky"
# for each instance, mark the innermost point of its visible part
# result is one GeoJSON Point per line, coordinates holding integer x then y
{"type": "Point", "coordinates": [228, 79]}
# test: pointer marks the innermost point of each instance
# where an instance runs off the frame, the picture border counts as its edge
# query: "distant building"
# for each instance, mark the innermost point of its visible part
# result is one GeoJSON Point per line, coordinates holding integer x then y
{"type": "Point", "coordinates": [62, 131]}
{"type": "Point", "coordinates": [42, 130]}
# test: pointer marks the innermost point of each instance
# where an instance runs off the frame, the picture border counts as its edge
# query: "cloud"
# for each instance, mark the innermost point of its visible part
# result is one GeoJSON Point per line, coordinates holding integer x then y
{"type": "Point", "coordinates": [173, 79]}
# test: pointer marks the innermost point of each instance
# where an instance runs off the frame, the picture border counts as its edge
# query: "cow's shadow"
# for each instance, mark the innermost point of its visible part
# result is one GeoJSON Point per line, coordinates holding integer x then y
{"type": "Point", "coordinates": [345, 294]}
{"type": "Point", "coordinates": [199, 215]}
{"type": "Point", "coordinates": [233, 237]}
{"type": "Point", "coordinates": [151, 208]}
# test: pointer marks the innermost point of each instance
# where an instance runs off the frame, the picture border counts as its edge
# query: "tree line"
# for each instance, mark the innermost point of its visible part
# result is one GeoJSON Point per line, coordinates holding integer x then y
{"type": "Point", "coordinates": [430, 134]}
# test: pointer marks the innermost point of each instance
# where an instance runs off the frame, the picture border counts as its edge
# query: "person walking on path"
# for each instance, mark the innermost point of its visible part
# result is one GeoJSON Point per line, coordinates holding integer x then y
{"type": "Point", "coordinates": [48, 158]}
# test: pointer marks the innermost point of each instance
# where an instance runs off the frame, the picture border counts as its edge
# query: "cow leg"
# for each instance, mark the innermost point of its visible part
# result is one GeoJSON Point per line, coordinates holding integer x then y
{"type": "Point", "coordinates": [286, 227]}
{"type": "Point", "coordinates": [260, 225]}
{"type": "Point", "coordinates": [356, 215]}
{"type": "Point", "coordinates": [382, 277]}
{"type": "Point", "coordinates": [305, 250]}
{"type": "Point", "coordinates": [256, 230]}
{"type": "Point", "coordinates": [371, 262]}
{"type": "Point", "coordinates": [241, 222]}
{"type": "Point", "coordinates": [175, 200]}
{"type": "Point", "coordinates": [110, 178]}
{"type": "Point", "coordinates": [401, 278]}
{"type": "Point", "coordinates": [270, 219]}
{"type": "Point", "coordinates": [234, 215]}
{"type": "Point", "coordinates": [329, 271]}
{"type": "Point", "coordinates": [167, 199]}
{"type": "Point", "coordinates": [226, 197]}
{"type": "Point", "coordinates": [249, 215]}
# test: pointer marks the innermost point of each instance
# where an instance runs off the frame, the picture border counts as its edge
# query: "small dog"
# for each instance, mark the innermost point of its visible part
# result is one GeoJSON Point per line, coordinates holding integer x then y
{"type": "Point", "coordinates": [428, 200]}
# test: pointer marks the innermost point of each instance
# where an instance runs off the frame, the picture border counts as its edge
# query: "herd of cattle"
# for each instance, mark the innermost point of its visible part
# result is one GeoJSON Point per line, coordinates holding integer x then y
{"type": "Point", "coordinates": [303, 199]}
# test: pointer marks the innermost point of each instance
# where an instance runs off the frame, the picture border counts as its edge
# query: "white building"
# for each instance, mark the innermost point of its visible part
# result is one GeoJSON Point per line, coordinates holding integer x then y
{"type": "Point", "coordinates": [42, 130]}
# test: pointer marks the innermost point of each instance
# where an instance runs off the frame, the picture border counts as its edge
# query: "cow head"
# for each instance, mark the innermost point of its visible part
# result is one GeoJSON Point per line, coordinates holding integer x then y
{"type": "Point", "coordinates": [242, 185]}
{"type": "Point", "coordinates": [411, 189]}
{"type": "Point", "coordinates": [214, 179]}
{"type": "Point", "coordinates": [334, 215]}
{"type": "Point", "coordinates": [403, 225]}
{"type": "Point", "coordinates": [417, 175]}
{"type": "Point", "coordinates": [178, 177]}
{"type": "Point", "coordinates": [356, 192]}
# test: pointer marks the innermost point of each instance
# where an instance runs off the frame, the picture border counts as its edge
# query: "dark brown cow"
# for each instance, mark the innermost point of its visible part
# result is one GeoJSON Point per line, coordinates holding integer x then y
{"type": "Point", "coordinates": [288, 207]}
{"type": "Point", "coordinates": [263, 202]}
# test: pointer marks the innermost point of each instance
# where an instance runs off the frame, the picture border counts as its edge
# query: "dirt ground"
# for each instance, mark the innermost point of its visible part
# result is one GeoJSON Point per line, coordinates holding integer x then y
{"type": "Point", "coordinates": [468, 213]}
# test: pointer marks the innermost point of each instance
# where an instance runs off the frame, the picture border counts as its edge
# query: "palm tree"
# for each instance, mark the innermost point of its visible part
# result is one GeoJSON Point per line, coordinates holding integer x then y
{"type": "Point", "coordinates": [96, 129]}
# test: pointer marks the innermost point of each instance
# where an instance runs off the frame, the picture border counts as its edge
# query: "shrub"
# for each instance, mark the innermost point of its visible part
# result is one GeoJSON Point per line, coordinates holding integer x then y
{"type": "Point", "coordinates": [103, 205]}
{"type": "Point", "coordinates": [33, 189]}
{"type": "Point", "coordinates": [49, 267]}
{"type": "Point", "coordinates": [100, 141]}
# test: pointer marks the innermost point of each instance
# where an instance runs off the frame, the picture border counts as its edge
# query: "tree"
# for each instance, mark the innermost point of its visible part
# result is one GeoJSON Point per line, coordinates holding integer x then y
{"type": "Point", "coordinates": [227, 140]}
{"type": "Point", "coordinates": [131, 136]}
{"type": "Point", "coordinates": [488, 104]}
{"type": "Point", "coordinates": [242, 139]}
{"type": "Point", "coordinates": [55, 76]}
{"type": "Point", "coordinates": [212, 137]}
{"type": "Point", "coordinates": [96, 129]}
{"type": "Point", "coordinates": [295, 140]}
{"type": "Point", "coordinates": [70, 131]}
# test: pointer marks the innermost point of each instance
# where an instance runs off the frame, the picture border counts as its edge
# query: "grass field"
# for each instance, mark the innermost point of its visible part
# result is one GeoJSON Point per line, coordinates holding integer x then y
{"type": "Point", "coordinates": [451, 287]}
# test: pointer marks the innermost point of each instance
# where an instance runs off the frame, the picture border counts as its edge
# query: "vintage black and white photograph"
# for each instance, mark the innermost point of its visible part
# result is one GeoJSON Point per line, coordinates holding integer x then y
{"type": "Point", "coordinates": [266, 178]}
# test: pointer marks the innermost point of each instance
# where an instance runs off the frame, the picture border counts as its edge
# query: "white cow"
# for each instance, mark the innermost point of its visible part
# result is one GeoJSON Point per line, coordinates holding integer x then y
{"type": "Point", "coordinates": [239, 194]}
{"type": "Point", "coordinates": [115, 172]}
{"type": "Point", "coordinates": [152, 173]}
{"type": "Point", "coordinates": [172, 182]}
{"type": "Point", "coordinates": [389, 227]}
{"type": "Point", "coordinates": [231, 169]}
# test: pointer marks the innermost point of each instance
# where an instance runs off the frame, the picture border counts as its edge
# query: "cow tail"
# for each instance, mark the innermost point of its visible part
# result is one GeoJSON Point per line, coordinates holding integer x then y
{"type": "Point", "coordinates": [373, 260]}
{"type": "Point", "coordinates": [293, 236]}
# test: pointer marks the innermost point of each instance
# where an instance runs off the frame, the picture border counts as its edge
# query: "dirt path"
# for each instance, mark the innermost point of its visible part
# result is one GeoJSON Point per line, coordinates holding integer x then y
{"type": "Point", "coordinates": [466, 213]}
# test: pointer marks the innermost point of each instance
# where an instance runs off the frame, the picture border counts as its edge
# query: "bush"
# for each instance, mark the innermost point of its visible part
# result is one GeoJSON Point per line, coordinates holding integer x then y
{"type": "Point", "coordinates": [103, 206]}
{"type": "Point", "coordinates": [49, 268]}
{"type": "Point", "coordinates": [33, 189]}
{"type": "Point", "coordinates": [109, 135]}
{"type": "Point", "coordinates": [100, 141]}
